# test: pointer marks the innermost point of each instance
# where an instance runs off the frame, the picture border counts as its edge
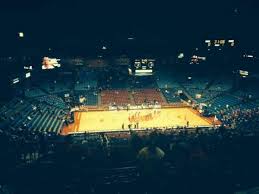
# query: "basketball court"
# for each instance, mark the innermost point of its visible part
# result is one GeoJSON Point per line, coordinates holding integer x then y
{"type": "Point", "coordinates": [116, 120]}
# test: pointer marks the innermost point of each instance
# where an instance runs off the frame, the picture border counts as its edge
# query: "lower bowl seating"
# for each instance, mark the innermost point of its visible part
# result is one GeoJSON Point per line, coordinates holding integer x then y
{"type": "Point", "coordinates": [149, 96]}
{"type": "Point", "coordinates": [117, 97]}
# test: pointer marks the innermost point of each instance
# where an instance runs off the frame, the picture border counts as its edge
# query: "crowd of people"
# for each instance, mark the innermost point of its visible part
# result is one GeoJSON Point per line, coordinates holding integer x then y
{"type": "Point", "coordinates": [241, 118]}
{"type": "Point", "coordinates": [164, 160]}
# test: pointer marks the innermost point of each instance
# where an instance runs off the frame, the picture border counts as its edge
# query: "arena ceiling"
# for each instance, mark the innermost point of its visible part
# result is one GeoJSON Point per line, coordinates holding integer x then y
{"type": "Point", "coordinates": [88, 25]}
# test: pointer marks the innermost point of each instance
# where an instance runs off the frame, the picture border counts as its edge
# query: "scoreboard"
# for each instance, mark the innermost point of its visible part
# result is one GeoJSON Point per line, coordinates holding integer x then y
{"type": "Point", "coordinates": [144, 66]}
{"type": "Point", "coordinates": [220, 43]}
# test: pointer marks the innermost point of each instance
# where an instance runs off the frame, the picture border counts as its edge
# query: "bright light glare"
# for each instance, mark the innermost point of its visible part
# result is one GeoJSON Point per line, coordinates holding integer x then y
{"type": "Point", "coordinates": [180, 56]}
{"type": "Point", "coordinates": [21, 34]}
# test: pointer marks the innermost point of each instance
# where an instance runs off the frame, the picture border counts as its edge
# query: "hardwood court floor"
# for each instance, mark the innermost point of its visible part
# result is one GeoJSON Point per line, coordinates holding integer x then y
{"type": "Point", "coordinates": [101, 121]}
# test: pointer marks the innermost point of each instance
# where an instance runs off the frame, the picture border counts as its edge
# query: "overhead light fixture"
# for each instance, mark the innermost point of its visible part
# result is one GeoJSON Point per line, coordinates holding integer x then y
{"type": "Point", "coordinates": [21, 34]}
{"type": "Point", "coordinates": [181, 55]}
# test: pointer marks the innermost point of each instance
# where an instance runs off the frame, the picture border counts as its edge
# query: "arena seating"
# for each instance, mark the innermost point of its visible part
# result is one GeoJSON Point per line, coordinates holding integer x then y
{"type": "Point", "coordinates": [89, 140]}
{"type": "Point", "coordinates": [118, 83]}
{"type": "Point", "coordinates": [193, 92]}
{"type": "Point", "coordinates": [222, 102]}
{"type": "Point", "coordinates": [171, 95]}
{"type": "Point", "coordinates": [34, 92]}
{"type": "Point", "coordinates": [220, 85]}
{"type": "Point", "coordinates": [85, 85]}
{"type": "Point", "coordinates": [117, 97]}
{"type": "Point", "coordinates": [119, 140]}
{"type": "Point", "coordinates": [207, 88]}
{"type": "Point", "coordinates": [14, 107]}
{"type": "Point", "coordinates": [199, 151]}
{"type": "Point", "coordinates": [249, 93]}
{"type": "Point", "coordinates": [240, 107]}
{"type": "Point", "coordinates": [49, 120]}
{"type": "Point", "coordinates": [206, 95]}
{"type": "Point", "coordinates": [198, 86]}
{"type": "Point", "coordinates": [150, 96]}
{"type": "Point", "coordinates": [57, 87]}
{"type": "Point", "coordinates": [113, 79]}
{"type": "Point", "coordinates": [53, 100]}
{"type": "Point", "coordinates": [92, 98]}
{"type": "Point", "coordinates": [143, 82]}
{"type": "Point", "coordinates": [124, 175]}
{"type": "Point", "coordinates": [33, 116]}
{"type": "Point", "coordinates": [165, 80]}
{"type": "Point", "coordinates": [196, 83]}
